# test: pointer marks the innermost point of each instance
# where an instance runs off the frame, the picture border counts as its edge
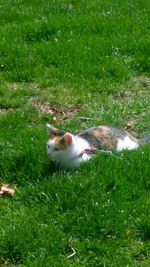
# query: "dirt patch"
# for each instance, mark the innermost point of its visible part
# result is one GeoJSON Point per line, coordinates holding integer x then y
{"type": "Point", "coordinates": [138, 88]}
{"type": "Point", "coordinates": [59, 113]}
{"type": "Point", "coordinates": [144, 81]}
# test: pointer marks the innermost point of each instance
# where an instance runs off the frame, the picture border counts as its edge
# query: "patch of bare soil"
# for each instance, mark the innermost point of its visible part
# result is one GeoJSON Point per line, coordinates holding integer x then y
{"type": "Point", "coordinates": [144, 81]}
{"type": "Point", "coordinates": [59, 113]}
{"type": "Point", "coordinates": [139, 88]}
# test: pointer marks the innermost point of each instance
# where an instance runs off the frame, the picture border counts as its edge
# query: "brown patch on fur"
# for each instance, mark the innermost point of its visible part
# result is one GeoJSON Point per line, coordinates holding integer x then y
{"type": "Point", "coordinates": [96, 133]}
{"type": "Point", "coordinates": [61, 143]}
{"type": "Point", "coordinates": [103, 134]}
{"type": "Point", "coordinates": [100, 131]}
{"type": "Point", "coordinates": [103, 137]}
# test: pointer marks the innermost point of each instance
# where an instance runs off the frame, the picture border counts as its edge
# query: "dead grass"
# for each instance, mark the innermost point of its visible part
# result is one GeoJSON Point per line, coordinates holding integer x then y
{"type": "Point", "coordinates": [2, 111]}
{"type": "Point", "coordinates": [139, 87]}
{"type": "Point", "coordinates": [58, 113]}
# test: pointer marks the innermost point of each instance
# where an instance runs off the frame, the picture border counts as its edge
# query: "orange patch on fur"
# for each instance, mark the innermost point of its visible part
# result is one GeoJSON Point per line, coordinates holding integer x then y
{"type": "Point", "coordinates": [63, 142]}
{"type": "Point", "coordinates": [96, 133]}
{"type": "Point", "coordinates": [102, 132]}
{"type": "Point", "coordinates": [57, 139]}
{"type": "Point", "coordinates": [60, 143]}
{"type": "Point", "coordinates": [105, 129]}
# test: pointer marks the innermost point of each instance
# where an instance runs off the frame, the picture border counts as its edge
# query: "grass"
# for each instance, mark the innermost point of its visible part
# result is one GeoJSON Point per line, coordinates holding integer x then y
{"type": "Point", "coordinates": [60, 53]}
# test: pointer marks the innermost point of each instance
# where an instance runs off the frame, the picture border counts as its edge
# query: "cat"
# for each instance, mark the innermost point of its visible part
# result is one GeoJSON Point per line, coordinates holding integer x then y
{"type": "Point", "coordinates": [71, 150]}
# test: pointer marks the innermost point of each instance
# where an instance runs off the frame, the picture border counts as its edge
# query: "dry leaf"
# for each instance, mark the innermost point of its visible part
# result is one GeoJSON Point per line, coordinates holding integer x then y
{"type": "Point", "coordinates": [129, 125]}
{"type": "Point", "coordinates": [46, 108]}
{"type": "Point", "coordinates": [67, 113]}
{"type": "Point", "coordinates": [5, 190]}
{"type": "Point", "coordinates": [60, 114]}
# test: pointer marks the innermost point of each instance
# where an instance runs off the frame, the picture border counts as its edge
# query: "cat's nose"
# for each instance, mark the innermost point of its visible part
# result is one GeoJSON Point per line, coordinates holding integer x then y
{"type": "Point", "coordinates": [48, 149]}
{"type": "Point", "coordinates": [49, 153]}
{"type": "Point", "coordinates": [48, 146]}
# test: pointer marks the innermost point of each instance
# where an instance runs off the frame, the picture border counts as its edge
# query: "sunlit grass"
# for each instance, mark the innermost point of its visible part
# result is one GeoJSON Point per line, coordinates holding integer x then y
{"type": "Point", "coordinates": [61, 53]}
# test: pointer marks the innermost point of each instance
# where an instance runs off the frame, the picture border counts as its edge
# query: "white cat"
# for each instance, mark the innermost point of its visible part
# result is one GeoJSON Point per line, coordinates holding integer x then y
{"type": "Point", "coordinates": [70, 150]}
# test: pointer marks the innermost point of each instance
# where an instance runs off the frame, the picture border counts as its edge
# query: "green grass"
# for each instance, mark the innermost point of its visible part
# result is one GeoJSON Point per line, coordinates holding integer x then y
{"type": "Point", "coordinates": [60, 53]}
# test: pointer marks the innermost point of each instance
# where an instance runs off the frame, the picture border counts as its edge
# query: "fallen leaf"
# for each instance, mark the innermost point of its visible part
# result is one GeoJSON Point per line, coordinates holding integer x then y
{"type": "Point", "coordinates": [6, 190]}
{"type": "Point", "coordinates": [129, 125]}
{"type": "Point", "coordinates": [67, 113]}
{"type": "Point", "coordinates": [60, 114]}
{"type": "Point", "coordinates": [46, 108]}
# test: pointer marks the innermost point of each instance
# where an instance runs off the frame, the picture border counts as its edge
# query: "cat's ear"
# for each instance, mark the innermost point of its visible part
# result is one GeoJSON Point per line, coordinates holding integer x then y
{"type": "Point", "coordinates": [54, 131]}
{"type": "Point", "coordinates": [51, 130]}
{"type": "Point", "coordinates": [67, 138]}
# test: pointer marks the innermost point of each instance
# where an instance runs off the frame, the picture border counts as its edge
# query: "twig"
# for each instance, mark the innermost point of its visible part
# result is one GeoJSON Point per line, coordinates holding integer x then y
{"type": "Point", "coordinates": [86, 119]}
{"type": "Point", "coordinates": [72, 254]}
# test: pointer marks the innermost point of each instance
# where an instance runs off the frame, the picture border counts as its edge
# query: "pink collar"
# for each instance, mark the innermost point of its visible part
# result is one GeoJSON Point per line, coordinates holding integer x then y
{"type": "Point", "coordinates": [88, 151]}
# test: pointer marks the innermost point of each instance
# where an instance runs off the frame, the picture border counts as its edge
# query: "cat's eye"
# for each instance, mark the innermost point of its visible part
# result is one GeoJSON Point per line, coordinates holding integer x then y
{"type": "Point", "coordinates": [56, 148]}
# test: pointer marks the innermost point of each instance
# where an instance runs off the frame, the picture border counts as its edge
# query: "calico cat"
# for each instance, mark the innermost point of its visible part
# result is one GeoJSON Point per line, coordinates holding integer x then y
{"type": "Point", "coordinates": [71, 150]}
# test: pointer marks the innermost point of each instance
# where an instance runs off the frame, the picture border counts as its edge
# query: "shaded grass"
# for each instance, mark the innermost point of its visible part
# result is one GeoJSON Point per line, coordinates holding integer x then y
{"type": "Point", "coordinates": [75, 43]}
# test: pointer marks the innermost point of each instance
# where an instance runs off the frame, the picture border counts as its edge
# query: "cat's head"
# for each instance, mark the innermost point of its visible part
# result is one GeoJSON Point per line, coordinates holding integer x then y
{"type": "Point", "coordinates": [60, 145]}
{"type": "Point", "coordinates": [66, 149]}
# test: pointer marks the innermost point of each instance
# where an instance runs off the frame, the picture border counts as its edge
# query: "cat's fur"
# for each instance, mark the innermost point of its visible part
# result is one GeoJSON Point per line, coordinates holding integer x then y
{"type": "Point", "coordinates": [71, 150]}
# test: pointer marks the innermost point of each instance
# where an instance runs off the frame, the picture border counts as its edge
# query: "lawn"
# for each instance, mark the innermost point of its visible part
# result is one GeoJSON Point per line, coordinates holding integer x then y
{"type": "Point", "coordinates": [74, 64]}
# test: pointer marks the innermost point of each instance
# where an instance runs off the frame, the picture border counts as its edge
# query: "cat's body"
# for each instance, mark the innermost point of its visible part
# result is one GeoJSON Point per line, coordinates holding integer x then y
{"type": "Point", "coordinates": [71, 150]}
